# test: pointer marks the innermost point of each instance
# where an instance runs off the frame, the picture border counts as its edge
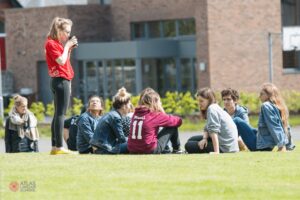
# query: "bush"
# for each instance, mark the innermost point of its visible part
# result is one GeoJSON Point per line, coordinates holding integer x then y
{"type": "Point", "coordinates": [50, 109]}
{"type": "Point", "coordinates": [292, 101]}
{"type": "Point", "coordinates": [179, 103]}
{"type": "Point", "coordinates": [77, 106]}
{"type": "Point", "coordinates": [38, 110]}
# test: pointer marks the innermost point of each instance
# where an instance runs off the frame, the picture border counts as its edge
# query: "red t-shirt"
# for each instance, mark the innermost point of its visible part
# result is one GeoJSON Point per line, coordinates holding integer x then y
{"type": "Point", "coordinates": [53, 50]}
{"type": "Point", "coordinates": [144, 128]}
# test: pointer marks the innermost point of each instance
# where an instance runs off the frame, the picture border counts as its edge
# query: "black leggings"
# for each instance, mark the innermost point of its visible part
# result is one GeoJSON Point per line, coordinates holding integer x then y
{"type": "Point", "coordinates": [192, 146]}
{"type": "Point", "coordinates": [164, 136]}
{"type": "Point", "coordinates": [61, 90]}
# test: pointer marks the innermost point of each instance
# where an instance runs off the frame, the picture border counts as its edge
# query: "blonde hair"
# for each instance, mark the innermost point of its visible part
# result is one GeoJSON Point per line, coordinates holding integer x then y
{"type": "Point", "coordinates": [150, 99]}
{"type": "Point", "coordinates": [58, 24]}
{"type": "Point", "coordinates": [20, 100]}
{"type": "Point", "coordinates": [121, 98]}
{"type": "Point", "coordinates": [275, 97]}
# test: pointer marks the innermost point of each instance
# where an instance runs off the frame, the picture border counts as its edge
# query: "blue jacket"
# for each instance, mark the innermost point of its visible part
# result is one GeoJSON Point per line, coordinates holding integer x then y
{"type": "Point", "coordinates": [86, 129]}
{"type": "Point", "coordinates": [241, 112]}
{"type": "Point", "coordinates": [270, 129]}
{"type": "Point", "coordinates": [109, 133]}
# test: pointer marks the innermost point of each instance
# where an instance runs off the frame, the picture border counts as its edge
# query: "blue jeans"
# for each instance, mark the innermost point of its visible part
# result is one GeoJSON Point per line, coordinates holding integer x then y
{"type": "Point", "coordinates": [247, 133]}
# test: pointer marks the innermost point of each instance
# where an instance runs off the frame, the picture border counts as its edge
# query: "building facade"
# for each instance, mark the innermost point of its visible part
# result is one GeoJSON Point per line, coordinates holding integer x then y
{"type": "Point", "coordinates": [170, 45]}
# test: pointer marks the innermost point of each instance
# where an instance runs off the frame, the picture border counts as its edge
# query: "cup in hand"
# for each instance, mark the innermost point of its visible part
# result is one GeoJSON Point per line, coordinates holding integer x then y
{"type": "Point", "coordinates": [75, 45]}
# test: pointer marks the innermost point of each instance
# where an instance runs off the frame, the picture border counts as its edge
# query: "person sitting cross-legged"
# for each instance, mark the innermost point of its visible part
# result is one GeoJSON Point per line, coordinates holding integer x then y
{"type": "Point", "coordinates": [87, 123]}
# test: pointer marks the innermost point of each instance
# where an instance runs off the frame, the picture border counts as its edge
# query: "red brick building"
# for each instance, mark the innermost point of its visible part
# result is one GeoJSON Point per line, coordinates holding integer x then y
{"type": "Point", "coordinates": [166, 44]}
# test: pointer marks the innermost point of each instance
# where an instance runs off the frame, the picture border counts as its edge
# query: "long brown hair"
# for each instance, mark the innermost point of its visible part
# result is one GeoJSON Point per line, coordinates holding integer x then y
{"type": "Point", "coordinates": [275, 97]}
{"type": "Point", "coordinates": [58, 24]}
{"type": "Point", "coordinates": [208, 94]}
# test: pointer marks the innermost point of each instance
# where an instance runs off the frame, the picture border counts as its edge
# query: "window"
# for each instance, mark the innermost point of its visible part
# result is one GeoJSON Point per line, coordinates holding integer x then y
{"type": "Point", "coordinates": [169, 28]}
{"type": "Point", "coordinates": [129, 75]}
{"type": "Point", "coordinates": [105, 2]}
{"type": "Point", "coordinates": [186, 27]}
{"type": "Point", "coordinates": [291, 17]}
{"type": "Point", "coordinates": [154, 29]}
{"type": "Point", "coordinates": [138, 30]}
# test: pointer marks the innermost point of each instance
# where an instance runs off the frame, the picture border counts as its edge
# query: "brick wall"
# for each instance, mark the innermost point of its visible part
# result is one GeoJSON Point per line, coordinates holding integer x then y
{"type": "Point", "coordinates": [26, 31]}
{"type": "Point", "coordinates": [238, 44]}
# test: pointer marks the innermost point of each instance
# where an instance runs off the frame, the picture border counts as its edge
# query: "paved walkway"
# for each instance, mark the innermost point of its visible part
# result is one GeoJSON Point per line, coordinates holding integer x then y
{"type": "Point", "coordinates": [45, 143]}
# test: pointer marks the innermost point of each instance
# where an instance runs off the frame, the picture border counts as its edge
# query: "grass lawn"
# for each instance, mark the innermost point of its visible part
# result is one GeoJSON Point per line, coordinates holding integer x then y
{"type": "Point", "coordinates": [245, 175]}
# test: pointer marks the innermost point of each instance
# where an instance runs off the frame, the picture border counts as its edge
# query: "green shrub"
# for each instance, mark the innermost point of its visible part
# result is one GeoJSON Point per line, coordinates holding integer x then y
{"type": "Point", "coordinates": [292, 99]}
{"type": "Point", "coordinates": [50, 109]}
{"type": "Point", "coordinates": [38, 110]}
{"type": "Point", "coordinates": [251, 101]}
{"type": "Point", "coordinates": [179, 103]}
{"type": "Point", "coordinates": [108, 105]}
{"type": "Point", "coordinates": [77, 106]}
{"type": "Point", "coordinates": [135, 100]}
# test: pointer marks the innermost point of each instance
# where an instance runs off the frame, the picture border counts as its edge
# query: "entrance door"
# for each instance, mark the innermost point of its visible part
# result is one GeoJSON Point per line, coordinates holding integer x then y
{"type": "Point", "coordinates": [44, 92]}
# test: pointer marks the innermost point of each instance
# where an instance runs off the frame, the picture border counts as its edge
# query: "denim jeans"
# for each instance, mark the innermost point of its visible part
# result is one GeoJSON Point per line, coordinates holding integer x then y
{"type": "Point", "coordinates": [247, 133]}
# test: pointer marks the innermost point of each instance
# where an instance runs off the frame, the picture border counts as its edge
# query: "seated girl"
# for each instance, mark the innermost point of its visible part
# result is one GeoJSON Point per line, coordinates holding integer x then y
{"type": "Point", "coordinates": [109, 137]}
{"type": "Point", "coordinates": [272, 123]}
{"type": "Point", "coordinates": [21, 133]}
{"type": "Point", "coordinates": [87, 123]}
{"type": "Point", "coordinates": [220, 132]}
{"type": "Point", "coordinates": [144, 136]}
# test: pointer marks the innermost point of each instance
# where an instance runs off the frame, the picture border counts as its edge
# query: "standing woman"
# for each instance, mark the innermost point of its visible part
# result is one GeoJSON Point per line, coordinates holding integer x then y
{"type": "Point", "coordinates": [58, 48]}
{"type": "Point", "coordinates": [220, 132]}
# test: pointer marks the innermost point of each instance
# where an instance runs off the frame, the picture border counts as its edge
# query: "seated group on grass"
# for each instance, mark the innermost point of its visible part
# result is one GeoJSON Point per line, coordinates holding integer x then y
{"type": "Point", "coordinates": [148, 129]}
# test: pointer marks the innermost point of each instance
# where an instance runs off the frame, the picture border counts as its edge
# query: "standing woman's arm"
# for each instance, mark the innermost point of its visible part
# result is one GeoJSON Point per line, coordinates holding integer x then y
{"type": "Point", "coordinates": [61, 60]}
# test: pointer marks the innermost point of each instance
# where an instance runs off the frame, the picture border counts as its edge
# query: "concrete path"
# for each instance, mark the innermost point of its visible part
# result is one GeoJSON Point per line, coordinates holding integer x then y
{"type": "Point", "coordinates": [45, 143]}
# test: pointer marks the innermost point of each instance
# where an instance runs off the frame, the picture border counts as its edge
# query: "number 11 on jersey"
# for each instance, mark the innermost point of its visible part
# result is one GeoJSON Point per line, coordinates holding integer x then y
{"type": "Point", "coordinates": [139, 132]}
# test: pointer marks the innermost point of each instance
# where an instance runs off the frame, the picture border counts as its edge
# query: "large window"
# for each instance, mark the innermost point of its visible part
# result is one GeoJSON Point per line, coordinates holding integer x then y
{"type": "Point", "coordinates": [159, 74]}
{"type": "Point", "coordinates": [105, 77]}
{"type": "Point", "coordinates": [291, 17]}
{"type": "Point", "coordinates": [154, 29]}
{"type": "Point", "coordinates": [163, 28]}
{"type": "Point", "coordinates": [162, 75]}
{"type": "Point", "coordinates": [187, 27]}
{"type": "Point", "coordinates": [169, 28]}
{"type": "Point", "coordinates": [138, 30]}
{"type": "Point", "coordinates": [188, 75]}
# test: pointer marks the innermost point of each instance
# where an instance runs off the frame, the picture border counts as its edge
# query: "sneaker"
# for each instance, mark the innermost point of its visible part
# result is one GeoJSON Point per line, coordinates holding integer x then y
{"type": "Point", "coordinates": [167, 150]}
{"type": "Point", "coordinates": [61, 152]}
{"type": "Point", "coordinates": [178, 151]}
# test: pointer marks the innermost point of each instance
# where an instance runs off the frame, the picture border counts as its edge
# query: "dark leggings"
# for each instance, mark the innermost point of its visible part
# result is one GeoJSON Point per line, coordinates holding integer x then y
{"type": "Point", "coordinates": [164, 136]}
{"type": "Point", "coordinates": [192, 146]}
{"type": "Point", "coordinates": [60, 88]}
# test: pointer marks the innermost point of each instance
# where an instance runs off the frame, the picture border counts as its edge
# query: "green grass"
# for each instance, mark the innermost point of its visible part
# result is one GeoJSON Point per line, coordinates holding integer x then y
{"type": "Point", "coordinates": [260, 175]}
